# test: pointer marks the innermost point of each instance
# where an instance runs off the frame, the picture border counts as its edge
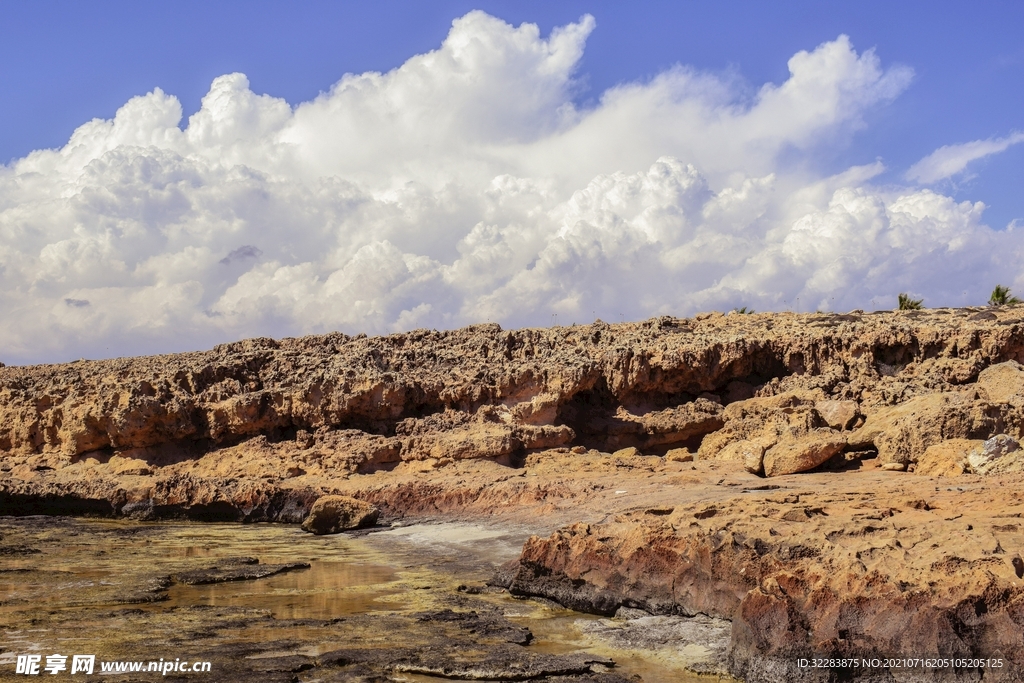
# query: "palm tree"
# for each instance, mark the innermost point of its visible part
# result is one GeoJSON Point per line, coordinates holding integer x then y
{"type": "Point", "coordinates": [908, 304]}
{"type": "Point", "coordinates": [743, 309]}
{"type": "Point", "coordinates": [1001, 297]}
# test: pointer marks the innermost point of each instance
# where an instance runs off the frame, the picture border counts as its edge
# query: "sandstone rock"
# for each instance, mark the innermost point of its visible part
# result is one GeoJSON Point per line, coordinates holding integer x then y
{"type": "Point", "coordinates": [645, 428]}
{"type": "Point", "coordinates": [999, 455]}
{"type": "Point", "coordinates": [750, 453]}
{"type": "Point", "coordinates": [802, 453]}
{"type": "Point", "coordinates": [810, 574]}
{"type": "Point", "coordinates": [675, 425]}
{"type": "Point", "coordinates": [334, 514]}
{"type": "Point", "coordinates": [947, 458]}
{"type": "Point", "coordinates": [679, 455]}
{"type": "Point", "coordinates": [904, 432]}
{"type": "Point", "coordinates": [625, 453]}
{"type": "Point", "coordinates": [1003, 382]}
{"type": "Point", "coordinates": [764, 420]}
{"type": "Point", "coordinates": [894, 467]}
{"type": "Point", "coordinates": [838, 414]}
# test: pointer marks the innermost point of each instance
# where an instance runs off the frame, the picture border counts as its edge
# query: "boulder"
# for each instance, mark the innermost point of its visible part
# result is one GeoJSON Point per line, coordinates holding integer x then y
{"type": "Point", "coordinates": [750, 453]}
{"type": "Point", "coordinates": [903, 433]}
{"type": "Point", "coordinates": [1002, 383]}
{"type": "Point", "coordinates": [838, 414]}
{"type": "Point", "coordinates": [947, 458]}
{"type": "Point", "coordinates": [999, 455]}
{"type": "Point", "coordinates": [802, 453]}
{"type": "Point", "coordinates": [679, 455]}
{"type": "Point", "coordinates": [334, 514]}
{"type": "Point", "coordinates": [764, 420]}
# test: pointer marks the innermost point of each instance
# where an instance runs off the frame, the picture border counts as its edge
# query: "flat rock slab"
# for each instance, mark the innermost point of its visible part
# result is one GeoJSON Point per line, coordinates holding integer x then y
{"type": "Point", "coordinates": [235, 572]}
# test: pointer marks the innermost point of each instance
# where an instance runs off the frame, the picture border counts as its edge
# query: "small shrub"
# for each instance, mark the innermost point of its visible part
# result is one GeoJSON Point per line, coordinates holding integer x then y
{"type": "Point", "coordinates": [1001, 297]}
{"type": "Point", "coordinates": [908, 304]}
{"type": "Point", "coordinates": [743, 309]}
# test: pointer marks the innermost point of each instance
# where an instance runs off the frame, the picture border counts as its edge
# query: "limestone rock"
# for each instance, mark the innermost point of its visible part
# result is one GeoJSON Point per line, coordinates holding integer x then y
{"type": "Point", "coordinates": [947, 458]}
{"type": "Point", "coordinates": [334, 514]}
{"type": "Point", "coordinates": [679, 455]}
{"type": "Point", "coordinates": [902, 433]}
{"type": "Point", "coordinates": [838, 414]}
{"type": "Point", "coordinates": [802, 453]}
{"type": "Point", "coordinates": [999, 455]}
{"type": "Point", "coordinates": [1003, 382]}
{"type": "Point", "coordinates": [750, 453]}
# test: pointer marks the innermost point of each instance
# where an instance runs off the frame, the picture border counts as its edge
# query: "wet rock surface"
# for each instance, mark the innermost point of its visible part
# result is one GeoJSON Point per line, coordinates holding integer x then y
{"type": "Point", "coordinates": [245, 569]}
{"type": "Point", "coordinates": [380, 626]}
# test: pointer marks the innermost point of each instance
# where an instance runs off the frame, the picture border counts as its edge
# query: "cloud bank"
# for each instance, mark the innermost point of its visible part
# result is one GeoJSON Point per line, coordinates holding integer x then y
{"type": "Point", "coordinates": [466, 186]}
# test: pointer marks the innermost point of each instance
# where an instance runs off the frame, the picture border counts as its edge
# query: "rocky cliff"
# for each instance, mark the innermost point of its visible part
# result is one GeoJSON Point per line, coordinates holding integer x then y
{"type": "Point", "coordinates": [827, 482]}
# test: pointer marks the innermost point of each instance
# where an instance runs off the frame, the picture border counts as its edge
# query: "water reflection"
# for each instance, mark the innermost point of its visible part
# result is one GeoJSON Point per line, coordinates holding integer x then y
{"type": "Point", "coordinates": [324, 591]}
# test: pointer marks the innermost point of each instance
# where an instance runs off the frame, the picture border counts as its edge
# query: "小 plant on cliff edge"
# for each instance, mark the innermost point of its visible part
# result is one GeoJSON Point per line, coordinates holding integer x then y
{"type": "Point", "coordinates": [1001, 297]}
{"type": "Point", "coordinates": [908, 304]}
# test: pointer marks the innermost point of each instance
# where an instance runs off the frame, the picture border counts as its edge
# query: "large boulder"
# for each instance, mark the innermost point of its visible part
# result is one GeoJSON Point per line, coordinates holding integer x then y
{"type": "Point", "coordinates": [999, 455]}
{"type": "Point", "coordinates": [763, 420]}
{"type": "Point", "coordinates": [1002, 383]}
{"type": "Point", "coordinates": [802, 453]}
{"type": "Point", "coordinates": [750, 453]}
{"type": "Point", "coordinates": [948, 458]}
{"type": "Point", "coordinates": [334, 514]}
{"type": "Point", "coordinates": [838, 414]}
{"type": "Point", "coordinates": [903, 433]}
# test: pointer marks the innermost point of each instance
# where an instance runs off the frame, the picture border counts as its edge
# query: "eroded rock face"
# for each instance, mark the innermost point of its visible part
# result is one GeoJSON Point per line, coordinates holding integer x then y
{"type": "Point", "coordinates": [849, 567]}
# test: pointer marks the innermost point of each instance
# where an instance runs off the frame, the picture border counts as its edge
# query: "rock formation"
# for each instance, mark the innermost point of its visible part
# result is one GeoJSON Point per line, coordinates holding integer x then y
{"type": "Point", "coordinates": [334, 514]}
{"type": "Point", "coordinates": [827, 482]}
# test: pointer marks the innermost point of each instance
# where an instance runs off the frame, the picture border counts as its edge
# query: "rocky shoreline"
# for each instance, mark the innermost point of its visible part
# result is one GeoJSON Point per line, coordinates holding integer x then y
{"type": "Point", "coordinates": [837, 486]}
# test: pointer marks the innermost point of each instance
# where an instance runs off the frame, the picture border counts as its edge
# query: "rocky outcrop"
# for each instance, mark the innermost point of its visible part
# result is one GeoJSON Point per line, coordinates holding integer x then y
{"type": "Point", "coordinates": [601, 385]}
{"type": "Point", "coordinates": [630, 435]}
{"type": "Point", "coordinates": [849, 567]}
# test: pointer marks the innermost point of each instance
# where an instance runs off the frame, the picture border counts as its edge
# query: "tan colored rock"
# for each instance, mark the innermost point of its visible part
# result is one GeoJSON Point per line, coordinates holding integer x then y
{"type": "Point", "coordinates": [631, 452]}
{"type": "Point", "coordinates": [904, 432]}
{"type": "Point", "coordinates": [1003, 383]}
{"type": "Point", "coordinates": [802, 453]}
{"type": "Point", "coordinates": [334, 514]}
{"type": "Point", "coordinates": [750, 453]}
{"type": "Point", "coordinates": [679, 455]}
{"type": "Point", "coordinates": [894, 467]}
{"type": "Point", "coordinates": [764, 420]}
{"type": "Point", "coordinates": [645, 428]}
{"type": "Point", "coordinates": [838, 414]}
{"type": "Point", "coordinates": [946, 458]}
{"type": "Point", "coordinates": [831, 561]}
{"type": "Point", "coordinates": [675, 425]}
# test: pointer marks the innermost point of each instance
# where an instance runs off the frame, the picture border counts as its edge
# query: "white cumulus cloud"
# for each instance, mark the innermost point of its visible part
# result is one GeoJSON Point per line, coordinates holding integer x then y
{"type": "Point", "coordinates": [464, 186]}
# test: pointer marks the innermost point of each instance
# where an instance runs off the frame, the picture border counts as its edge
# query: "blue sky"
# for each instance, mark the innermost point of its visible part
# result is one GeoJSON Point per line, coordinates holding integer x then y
{"type": "Point", "coordinates": [793, 156]}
